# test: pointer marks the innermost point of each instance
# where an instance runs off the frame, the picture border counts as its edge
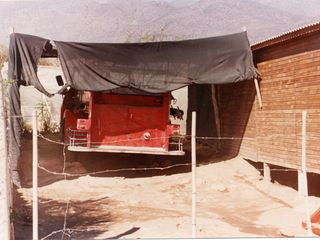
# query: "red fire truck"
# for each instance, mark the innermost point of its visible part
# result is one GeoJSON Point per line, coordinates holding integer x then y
{"type": "Point", "coordinates": [120, 121]}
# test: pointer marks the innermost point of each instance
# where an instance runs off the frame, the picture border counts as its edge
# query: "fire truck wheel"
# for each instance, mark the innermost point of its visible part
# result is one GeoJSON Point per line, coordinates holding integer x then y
{"type": "Point", "coordinates": [62, 129]}
{"type": "Point", "coordinates": [150, 160]}
{"type": "Point", "coordinates": [70, 156]}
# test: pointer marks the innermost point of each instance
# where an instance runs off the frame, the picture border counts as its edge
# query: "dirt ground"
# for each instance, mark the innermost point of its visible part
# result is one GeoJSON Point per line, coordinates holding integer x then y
{"type": "Point", "coordinates": [151, 197]}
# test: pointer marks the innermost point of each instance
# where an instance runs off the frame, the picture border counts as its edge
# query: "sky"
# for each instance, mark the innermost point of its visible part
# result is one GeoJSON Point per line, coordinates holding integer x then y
{"type": "Point", "coordinates": [173, 2]}
{"type": "Point", "coordinates": [305, 8]}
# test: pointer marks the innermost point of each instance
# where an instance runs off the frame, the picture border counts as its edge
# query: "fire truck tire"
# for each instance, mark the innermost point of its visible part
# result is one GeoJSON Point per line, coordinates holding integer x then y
{"type": "Point", "coordinates": [62, 129]}
{"type": "Point", "coordinates": [70, 156]}
{"type": "Point", "coordinates": [150, 160]}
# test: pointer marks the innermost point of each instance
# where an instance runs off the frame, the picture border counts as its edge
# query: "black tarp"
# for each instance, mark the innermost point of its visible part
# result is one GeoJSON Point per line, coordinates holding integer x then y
{"type": "Point", "coordinates": [151, 67]}
{"type": "Point", "coordinates": [25, 52]}
{"type": "Point", "coordinates": [156, 67]}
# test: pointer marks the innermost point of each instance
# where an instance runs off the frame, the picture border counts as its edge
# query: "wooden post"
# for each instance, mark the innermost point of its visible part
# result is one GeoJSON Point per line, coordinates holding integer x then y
{"type": "Point", "coordinates": [194, 180]}
{"type": "Point", "coordinates": [11, 173]}
{"type": "Point", "coordinates": [35, 176]}
{"type": "Point", "coordinates": [216, 109]}
{"type": "Point", "coordinates": [4, 172]}
{"type": "Point", "coordinates": [258, 91]}
{"type": "Point", "coordinates": [266, 172]}
{"type": "Point", "coordinates": [301, 184]}
{"type": "Point", "coordinates": [304, 170]}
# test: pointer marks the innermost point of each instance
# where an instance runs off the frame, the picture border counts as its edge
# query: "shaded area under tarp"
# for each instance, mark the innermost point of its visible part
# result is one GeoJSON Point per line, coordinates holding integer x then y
{"type": "Point", "coordinates": [155, 67]}
{"type": "Point", "coordinates": [200, 101]}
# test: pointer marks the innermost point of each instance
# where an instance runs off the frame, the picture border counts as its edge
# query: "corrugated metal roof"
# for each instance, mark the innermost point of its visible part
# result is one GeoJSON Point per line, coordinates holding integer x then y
{"type": "Point", "coordinates": [287, 35]}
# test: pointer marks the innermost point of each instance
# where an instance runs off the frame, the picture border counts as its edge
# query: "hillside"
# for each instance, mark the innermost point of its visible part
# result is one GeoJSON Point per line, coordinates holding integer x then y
{"type": "Point", "coordinates": [310, 8]}
{"type": "Point", "coordinates": [113, 21]}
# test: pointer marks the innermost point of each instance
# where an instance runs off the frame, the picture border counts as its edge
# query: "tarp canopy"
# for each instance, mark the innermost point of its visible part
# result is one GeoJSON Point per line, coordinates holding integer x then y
{"type": "Point", "coordinates": [154, 67]}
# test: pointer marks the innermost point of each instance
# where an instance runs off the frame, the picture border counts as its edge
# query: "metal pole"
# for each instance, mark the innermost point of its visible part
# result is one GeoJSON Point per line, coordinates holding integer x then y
{"type": "Point", "coordinates": [304, 171]}
{"type": "Point", "coordinates": [194, 180]}
{"type": "Point", "coordinates": [35, 176]}
{"type": "Point", "coordinates": [4, 176]}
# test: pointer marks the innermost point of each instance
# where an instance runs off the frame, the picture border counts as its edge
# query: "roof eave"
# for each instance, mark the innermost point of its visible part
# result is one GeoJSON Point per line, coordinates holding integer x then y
{"type": "Point", "coordinates": [302, 31]}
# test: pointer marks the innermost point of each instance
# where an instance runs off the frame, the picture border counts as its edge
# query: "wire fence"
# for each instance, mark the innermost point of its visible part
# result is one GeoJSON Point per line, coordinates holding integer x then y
{"type": "Point", "coordinates": [144, 168]}
{"type": "Point", "coordinates": [68, 232]}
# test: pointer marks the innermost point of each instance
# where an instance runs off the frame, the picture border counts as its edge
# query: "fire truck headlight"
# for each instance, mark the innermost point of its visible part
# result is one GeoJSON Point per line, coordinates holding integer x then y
{"type": "Point", "coordinates": [146, 136]}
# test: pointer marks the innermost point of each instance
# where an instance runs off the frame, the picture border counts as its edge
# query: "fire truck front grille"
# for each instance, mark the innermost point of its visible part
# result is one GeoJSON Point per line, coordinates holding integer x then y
{"type": "Point", "coordinates": [175, 143]}
{"type": "Point", "coordinates": [77, 137]}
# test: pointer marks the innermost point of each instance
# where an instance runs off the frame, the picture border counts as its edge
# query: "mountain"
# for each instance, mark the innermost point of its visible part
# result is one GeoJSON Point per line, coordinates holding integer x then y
{"type": "Point", "coordinates": [309, 8]}
{"type": "Point", "coordinates": [115, 20]}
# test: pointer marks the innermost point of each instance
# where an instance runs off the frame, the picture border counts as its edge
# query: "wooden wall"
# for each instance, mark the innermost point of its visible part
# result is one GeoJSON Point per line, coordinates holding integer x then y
{"type": "Point", "coordinates": [237, 119]}
{"type": "Point", "coordinates": [290, 83]}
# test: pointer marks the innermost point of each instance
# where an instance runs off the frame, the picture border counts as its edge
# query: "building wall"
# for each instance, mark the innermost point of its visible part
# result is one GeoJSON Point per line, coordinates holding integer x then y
{"type": "Point", "coordinates": [290, 83]}
{"type": "Point", "coordinates": [237, 119]}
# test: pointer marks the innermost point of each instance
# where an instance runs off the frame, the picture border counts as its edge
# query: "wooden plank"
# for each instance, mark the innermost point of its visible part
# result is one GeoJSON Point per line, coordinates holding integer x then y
{"type": "Point", "coordinates": [279, 159]}
{"type": "Point", "coordinates": [288, 48]}
{"type": "Point", "coordinates": [289, 58]}
{"type": "Point", "coordinates": [288, 144]}
{"type": "Point", "coordinates": [277, 150]}
{"type": "Point", "coordinates": [299, 86]}
{"type": "Point", "coordinates": [287, 76]}
{"type": "Point", "coordinates": [289, 70]}
{"type": "Point", "coordinates": [295, 62]}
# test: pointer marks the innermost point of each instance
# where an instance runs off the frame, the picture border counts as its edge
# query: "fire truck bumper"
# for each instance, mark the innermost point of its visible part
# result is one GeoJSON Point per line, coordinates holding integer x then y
{"type": "Point", "coordinates": [117, 149]}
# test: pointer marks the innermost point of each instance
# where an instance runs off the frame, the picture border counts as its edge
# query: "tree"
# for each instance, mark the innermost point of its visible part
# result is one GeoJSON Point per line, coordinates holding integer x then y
{"type": "Point", "coordinates": [4, 55]}
{"type": "Point", "coordinates": [152, 36]}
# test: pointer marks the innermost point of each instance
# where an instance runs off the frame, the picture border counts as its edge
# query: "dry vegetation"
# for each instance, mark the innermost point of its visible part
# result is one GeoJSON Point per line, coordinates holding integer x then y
{"type": "Point", "coordinates": [4, 55]}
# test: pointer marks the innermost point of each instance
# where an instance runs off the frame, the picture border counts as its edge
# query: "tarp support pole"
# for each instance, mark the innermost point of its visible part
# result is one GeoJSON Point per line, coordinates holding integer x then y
{"type": "Point", "coordinates": [258, 91]}
{"type": "Point", "coordinates": [35, 177]}
{"type": "Point", "coordinates": [194, 180]}
{"type": "Point", "coordinates": [4, 172]}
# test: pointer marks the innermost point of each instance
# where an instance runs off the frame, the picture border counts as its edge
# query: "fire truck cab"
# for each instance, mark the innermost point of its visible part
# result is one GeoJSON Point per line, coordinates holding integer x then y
{"type": "Point", "coordinates": [120, 121]}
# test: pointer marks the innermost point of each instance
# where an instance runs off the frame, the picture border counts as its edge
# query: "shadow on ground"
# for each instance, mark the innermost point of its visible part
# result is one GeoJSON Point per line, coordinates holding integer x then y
{"type": "Point", "coordinates": [52, 216]}
{"type": "Point", "coordinates": [140, 165]}
{"type": "Point", "coordinates": [289, 177]}
{"type": "Point", "coordinates": [51, 158]}
{"type": "Point", "coordinates": [51, 162]}
{"type": "Point", "coordinates": [86, 213]}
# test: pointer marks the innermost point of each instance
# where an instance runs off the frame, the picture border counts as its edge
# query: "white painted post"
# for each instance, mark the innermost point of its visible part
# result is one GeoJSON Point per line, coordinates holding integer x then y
{"type": "Point", "coordinates": [301, 185]}
{"type": "Point", "coordinates": [266, 172]}
{"type": "Point", "coordinates": [258, 91]}
{"type": "Point", "coordinates": [11, 174]}
{"type": "Point", "coordinates": [194, 180]}
{"type": "Point", "coordinates": [304, 171]}
{"type": "Point", "coordinates": [35, 176]}
{"type": "Point", "coordinates": [4, 172]}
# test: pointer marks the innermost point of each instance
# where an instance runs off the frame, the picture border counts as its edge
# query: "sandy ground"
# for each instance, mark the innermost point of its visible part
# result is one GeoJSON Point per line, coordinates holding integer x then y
{"type": "Point", "coordinates": [233, 200]}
